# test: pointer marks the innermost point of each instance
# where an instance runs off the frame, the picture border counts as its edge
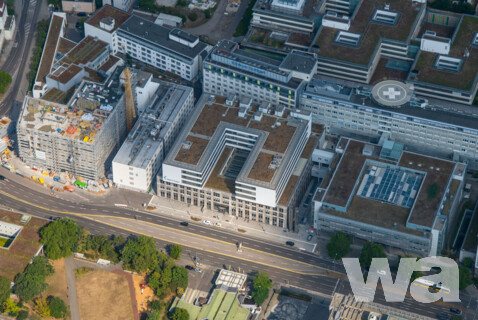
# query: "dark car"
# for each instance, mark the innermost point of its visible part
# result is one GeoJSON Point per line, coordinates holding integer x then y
{"type": "Point", "coordinates": [189, 267]}
{"type": "Point", "coordinates": [2, 178]}
{"type": "Point", "coordinates": [78, 26]}
{"type": "Point", "coordinates": [184, 223]}
{"type": "Point", "coordinates": [290, 243]}
{"type": "Point", "coordinates": [81, 14]}
{"type": "Point", "coordinates": [455, 310]}
{"type": "Point", "coordinates": [309, 237]}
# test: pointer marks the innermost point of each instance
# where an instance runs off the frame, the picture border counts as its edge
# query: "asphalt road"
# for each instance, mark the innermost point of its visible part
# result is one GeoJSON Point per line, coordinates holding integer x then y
{"type": "Point", "coordinates": [17, 60]}
{"type": "Point", "coordinates": [18, 196]}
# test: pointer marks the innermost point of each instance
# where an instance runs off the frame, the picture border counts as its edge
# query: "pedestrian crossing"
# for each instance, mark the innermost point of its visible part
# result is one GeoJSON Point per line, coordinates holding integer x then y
{"type": "Point", "coordinates": [26, 28]}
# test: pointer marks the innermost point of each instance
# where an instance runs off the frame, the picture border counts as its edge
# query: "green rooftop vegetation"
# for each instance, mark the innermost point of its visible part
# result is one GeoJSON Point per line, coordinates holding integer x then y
{"type": "Point", "coordinates": [465, 78]}
{"type": "Point", "coordinates": [222, 306]}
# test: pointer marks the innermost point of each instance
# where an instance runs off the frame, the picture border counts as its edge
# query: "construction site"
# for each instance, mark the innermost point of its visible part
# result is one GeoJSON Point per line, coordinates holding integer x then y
{"type": "Point", "coordinates": [79, 137]}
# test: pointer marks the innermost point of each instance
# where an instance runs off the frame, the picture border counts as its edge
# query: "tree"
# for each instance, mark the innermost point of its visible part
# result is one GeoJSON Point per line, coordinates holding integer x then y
{"type": "Point", "coordinates": [154, 315]}
{"type": "Point", "coordinates": [371, 250]}
{"type": "Point", "coordinates": [5, 290]}
{"type": "Point", "coordinates": [31, 282]}
{"type": "Point", "coordinates": [180, 314]}
{"type": "Point", "coordinates": [179, 277]}
{"type": "Point", "coordinates": [339, 245]}
{"type": "Point", "coordinates": [468, 262]}
{"type": "Point", "coordinates": [160, 280]}
{"type": "Point", "coordinates": [140, 254]}
{"type": "Point", "coordinates": [207, 13]}
{"type": "Point", "coordinates": [10, 307]}
{"type": "Point", "coordinates": [262, 284]}
{"type": "Point", "coordinates": [5, 80]}
{"type": "Point", "coordinates": [193, 16]}
{"type": "Point", "coordinates": [58, 308]}
{"type": "Point", "coordinates": [22, 315]}
{"type": "Point", "coordinates": [464, 278]}
{"type": "Point", "coordinates": [155, 305]}
{"type": "Point", "coordinates": [42, 308]}
{"type": "Point", "coordinates": [175, 251]}
{"type": "Point", "coordinates": [60, 238]}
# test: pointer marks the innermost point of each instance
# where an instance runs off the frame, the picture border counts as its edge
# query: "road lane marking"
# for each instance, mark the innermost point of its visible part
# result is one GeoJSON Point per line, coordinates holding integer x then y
{"type": "Point", "coordinates": [92, 217]}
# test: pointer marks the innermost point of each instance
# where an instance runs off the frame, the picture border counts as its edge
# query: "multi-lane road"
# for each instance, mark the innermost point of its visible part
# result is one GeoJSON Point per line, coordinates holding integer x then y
{"type": "Point", "coordinates": [20, 195]}
{"type": "Point", "coordinates": [18, 59]}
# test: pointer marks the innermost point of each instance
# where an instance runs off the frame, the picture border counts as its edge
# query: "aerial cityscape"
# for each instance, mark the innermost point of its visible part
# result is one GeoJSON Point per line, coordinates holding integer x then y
{"type": "Point", "coordinates": [239, 159]}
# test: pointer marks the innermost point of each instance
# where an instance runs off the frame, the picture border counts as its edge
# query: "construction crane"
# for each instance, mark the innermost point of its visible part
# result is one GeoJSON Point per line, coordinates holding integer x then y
{"type": "Point", "coordinates": [130, 109]}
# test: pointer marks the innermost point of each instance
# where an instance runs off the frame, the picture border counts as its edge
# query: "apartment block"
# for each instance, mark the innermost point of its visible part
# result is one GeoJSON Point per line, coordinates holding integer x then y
{"type": "Point", "coordinates": [171, 50]}
{"type": "Point", "coordinates": [247, 161]}
{"type": "Point", "coordinates": [79, 136]}
{"type": "Point", "coordinates": [142, 153]}
{"type": "Point", "coordinates": [230, 70]}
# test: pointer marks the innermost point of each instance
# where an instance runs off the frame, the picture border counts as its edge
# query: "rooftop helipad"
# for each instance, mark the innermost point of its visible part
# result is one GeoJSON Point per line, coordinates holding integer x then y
{"type": "Point", "coordinates": [391, 93]}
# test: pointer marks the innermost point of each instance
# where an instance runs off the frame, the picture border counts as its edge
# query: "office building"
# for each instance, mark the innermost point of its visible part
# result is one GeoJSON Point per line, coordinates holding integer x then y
{"type": "Point", "coordinates": [294, 15]}
{"type": "Point", "coordinates": [230, 70]}
{"type": "Point", "coordinates": [78, 136]}
{"type": "Point", "coordinates": [143, 151]}
{"type": "Point", "coordinates": [351, 47]}
{"type": "Point", "coordinates": [396, 113]}
{"type": "Point", "coordinates": [171, 50]}
{"type": "Point", "coordinates": [446, 66]}
{"type": "Point", "coordinates": [244, 160]}
{"type": "Point", "coordinates": [384, 194]}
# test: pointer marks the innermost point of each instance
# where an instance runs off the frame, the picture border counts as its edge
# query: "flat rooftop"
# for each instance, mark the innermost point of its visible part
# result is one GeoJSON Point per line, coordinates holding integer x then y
{"type": "Point", "coordinates": [157, 35]}
{"type": "Point", "coordinates": [462, 43]}
{"type": "Point", "coordinates": [108, 11]}
{"type": "Point", "coordinates": [87, 50]}
{"type": "Point", "coordinates": [275, 138]}
{"type": "Point", "coordinates": [372, 32]}
{"type": "Point", "coordinates": [329, 87]}
{"type": "Point", "coordinates": [228, 54]}
{"type": "Point", "coordinates": [306, 13]}
{"type": "Point", "coordinates": [154, 124]}
{"type": "Point", "coordinates": [379, 208]}
{"type": "Point", "coordinates": [49, 48]}
{"type": "Point", "coordinates": [81, 118]}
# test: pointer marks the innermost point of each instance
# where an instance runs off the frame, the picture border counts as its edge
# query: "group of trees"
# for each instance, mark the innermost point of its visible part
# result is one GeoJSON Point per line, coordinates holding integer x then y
{"type": "Point", "coordinates": [42, 32]}
{"type": "Point", "coordinates": [64, 236]}
{"type": "Point", "coordinates": [5, 80]}
{"type": "Point", "coordinates": [32, 281]}
{"type": "Point", "coordinates": [243, 25]}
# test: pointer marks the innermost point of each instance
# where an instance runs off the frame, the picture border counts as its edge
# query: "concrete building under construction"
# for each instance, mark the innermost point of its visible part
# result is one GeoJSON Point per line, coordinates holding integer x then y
{"type": "Point", "coordinates": [80, 136]}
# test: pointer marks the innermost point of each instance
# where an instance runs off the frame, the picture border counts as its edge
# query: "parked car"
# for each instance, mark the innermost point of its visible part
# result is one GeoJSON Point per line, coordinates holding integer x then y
{"type": "Point", "coordinates": [184, 223]}
{"type": "Point", "coordinates": [77, 26]}
{"type": "Point", "coordinates": [2, 178]}
{"type": "Point", "coordinates": [207, 222]}
{"type": "Point", "coordinates": [81, 14]}
{"type": "Point", "coordinates": [290, 243]}
{"type": "Point", "coordinates": [198, 270]}
{"type": "Point", "coordinates": [455, 310]}
{"type": "Point", "coordinates": [382, 272]}
{"type": "Point", "coordinates": [309, 237]}
{"type": "Point", "coordinates": [189, 267]}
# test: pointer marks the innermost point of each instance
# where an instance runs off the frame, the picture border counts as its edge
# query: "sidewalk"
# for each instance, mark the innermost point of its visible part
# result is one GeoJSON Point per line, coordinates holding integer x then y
{"type": "Point", "coordinates": [252, 228]}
